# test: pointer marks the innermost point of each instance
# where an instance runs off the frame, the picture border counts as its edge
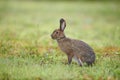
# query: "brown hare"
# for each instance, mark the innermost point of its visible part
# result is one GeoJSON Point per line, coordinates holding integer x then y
{"type": "Point", "coordinates": [76, 49]}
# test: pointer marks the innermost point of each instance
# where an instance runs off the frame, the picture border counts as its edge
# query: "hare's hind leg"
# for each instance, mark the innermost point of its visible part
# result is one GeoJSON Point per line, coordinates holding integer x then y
{"type": "Point", "coordinates": [89, 63]}
{"type": "Point", "coordinates": [80, 62]}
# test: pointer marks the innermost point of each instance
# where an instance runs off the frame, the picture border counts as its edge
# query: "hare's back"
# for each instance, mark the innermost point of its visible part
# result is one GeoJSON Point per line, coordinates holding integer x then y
{"type": "Point", "coordinates": [81, 46]}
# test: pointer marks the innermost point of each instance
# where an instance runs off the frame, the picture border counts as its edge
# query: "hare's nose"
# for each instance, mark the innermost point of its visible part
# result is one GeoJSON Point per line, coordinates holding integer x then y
{"type": "Point", "coordinates": [51, 36]}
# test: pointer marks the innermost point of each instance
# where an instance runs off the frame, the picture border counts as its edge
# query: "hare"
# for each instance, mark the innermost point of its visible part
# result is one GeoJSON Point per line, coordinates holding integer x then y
{"type": "Point", "coordinates": [76, 49]}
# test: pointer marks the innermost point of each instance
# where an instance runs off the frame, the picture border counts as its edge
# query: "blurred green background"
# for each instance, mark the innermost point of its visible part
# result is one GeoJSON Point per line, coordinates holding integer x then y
{"type": "Point", "coordinates": [28, 52]}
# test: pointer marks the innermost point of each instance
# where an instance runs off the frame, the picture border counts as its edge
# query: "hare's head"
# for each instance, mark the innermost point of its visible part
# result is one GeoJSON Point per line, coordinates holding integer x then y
{"type": "Point", "coordinates": [59, 33]}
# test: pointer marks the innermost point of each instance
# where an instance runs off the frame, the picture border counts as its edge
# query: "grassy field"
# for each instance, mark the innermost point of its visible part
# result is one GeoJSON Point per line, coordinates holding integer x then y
{"type": "Point", "coordinates": [27, 51]}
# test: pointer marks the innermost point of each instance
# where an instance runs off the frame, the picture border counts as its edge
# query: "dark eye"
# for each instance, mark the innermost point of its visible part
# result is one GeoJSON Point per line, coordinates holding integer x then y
{"type": "Point", "coordinates": [56, 32]}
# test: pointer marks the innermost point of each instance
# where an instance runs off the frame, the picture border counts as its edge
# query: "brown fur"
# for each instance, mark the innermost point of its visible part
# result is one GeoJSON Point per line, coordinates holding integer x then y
{"type": "Point", "coordinates": [81, 51]}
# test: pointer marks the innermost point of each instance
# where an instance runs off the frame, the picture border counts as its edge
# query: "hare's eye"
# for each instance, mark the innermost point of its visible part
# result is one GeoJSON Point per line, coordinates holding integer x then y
{"type": "Point", "coordinates": [56, 32]}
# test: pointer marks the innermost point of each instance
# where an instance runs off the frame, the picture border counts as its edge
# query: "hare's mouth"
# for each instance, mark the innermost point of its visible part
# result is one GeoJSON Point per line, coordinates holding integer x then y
{"type": "Point", "coordinates": [53, 37]}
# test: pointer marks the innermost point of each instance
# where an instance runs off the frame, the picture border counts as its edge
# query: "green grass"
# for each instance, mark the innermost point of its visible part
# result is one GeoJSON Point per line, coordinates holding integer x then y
{"type": "Point", "coordinates": [27, 51]}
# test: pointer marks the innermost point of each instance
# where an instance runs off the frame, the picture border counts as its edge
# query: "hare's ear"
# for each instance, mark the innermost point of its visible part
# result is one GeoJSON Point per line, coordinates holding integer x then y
{"type": "Point", "coordinates": [62, 24]}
